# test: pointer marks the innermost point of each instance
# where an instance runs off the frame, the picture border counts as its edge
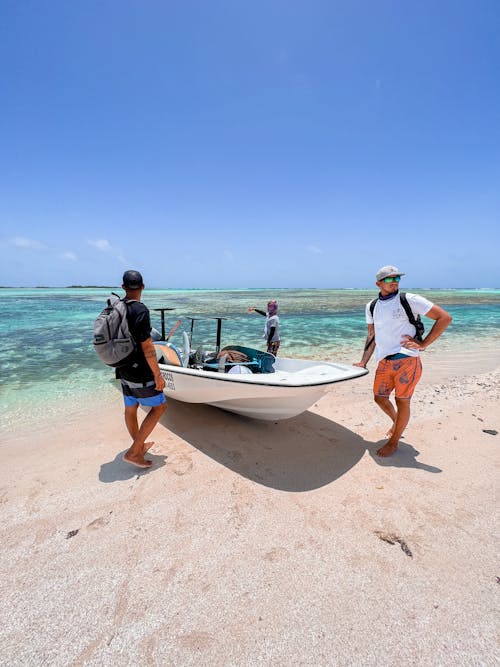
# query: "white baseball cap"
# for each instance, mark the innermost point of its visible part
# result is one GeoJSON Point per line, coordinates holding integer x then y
{"type": "Point", "coordinates": [386, 271]}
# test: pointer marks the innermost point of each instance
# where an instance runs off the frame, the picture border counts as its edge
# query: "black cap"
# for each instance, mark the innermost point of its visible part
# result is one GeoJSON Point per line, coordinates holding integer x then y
{"type": "Point", "coordinates": [132, 280]}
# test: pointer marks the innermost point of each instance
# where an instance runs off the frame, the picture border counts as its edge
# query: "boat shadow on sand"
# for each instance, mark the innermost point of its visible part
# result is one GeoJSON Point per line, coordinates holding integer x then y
{"type": "Point", "coordinates": [298, 454]}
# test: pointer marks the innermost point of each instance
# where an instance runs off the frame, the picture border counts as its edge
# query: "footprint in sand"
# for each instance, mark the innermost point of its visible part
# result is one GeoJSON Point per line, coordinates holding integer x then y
{"type": "Point", "coordinates": [181, 464]}
{"type": "Point", "coordinates": [278, 553]}
{"type": "Point", "coordinates": [98, 523]}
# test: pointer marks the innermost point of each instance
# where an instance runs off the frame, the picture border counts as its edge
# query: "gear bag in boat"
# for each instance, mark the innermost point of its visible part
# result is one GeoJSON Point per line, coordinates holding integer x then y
{"type": "Point", "coordinates": [113, 341]}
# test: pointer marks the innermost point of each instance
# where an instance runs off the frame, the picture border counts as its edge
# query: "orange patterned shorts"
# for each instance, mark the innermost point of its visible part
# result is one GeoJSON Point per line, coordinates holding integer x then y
{"type": "Point", "coordinates": [399, 374]}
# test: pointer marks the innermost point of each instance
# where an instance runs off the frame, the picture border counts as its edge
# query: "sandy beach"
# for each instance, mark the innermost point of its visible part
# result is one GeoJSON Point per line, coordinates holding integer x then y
{"type": "Point", "coordinates": [249, 543]}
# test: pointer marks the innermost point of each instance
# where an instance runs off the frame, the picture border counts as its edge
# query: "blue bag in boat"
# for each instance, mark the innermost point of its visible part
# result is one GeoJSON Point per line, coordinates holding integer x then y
{"type": "Point", "coordinates": [113, 341]}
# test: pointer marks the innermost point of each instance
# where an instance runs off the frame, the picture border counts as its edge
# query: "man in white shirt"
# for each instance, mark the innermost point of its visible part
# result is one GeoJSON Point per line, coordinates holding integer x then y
{"type": "Point", "coordinates": [393, 338]}
{"type": "Point", "coordinates": [272, 326]}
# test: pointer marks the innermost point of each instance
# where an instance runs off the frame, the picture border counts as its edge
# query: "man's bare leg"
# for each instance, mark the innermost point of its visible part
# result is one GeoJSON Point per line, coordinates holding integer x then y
{"type": "Point", "coordinates": [400, 423]}
{"type": "Point", "coordinates": [391, 431]}
{"type": "Point", "coordinates": [133, 426]}
{"type": "Point", "coordinates": [386, 406]}
{"type": "Point", "coordinates": [147, 446]}
{"type": "Point", "coordinates": [135, 454]}
{"type": "Point", "coordinates": [131, 421]}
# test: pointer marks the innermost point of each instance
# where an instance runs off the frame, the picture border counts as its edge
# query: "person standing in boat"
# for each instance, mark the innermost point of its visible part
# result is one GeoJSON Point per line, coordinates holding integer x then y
{"type": "Point", "coordinates": [272, 326]}
{"type": "Point", "coordinates": [141, 379]}
{"type": "Point", "coordinates": [397, 344]}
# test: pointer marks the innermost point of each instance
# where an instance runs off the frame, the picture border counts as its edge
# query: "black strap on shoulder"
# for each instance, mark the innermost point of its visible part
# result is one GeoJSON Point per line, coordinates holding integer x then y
{"type": "Point", "coordinates": [406, 306]}
{"type": "Point", "coordinates": [124, 298]}
{"type": "Point", "coordinates": [404, 303]}
{"type": "Point", "coordinates": [416, 321]}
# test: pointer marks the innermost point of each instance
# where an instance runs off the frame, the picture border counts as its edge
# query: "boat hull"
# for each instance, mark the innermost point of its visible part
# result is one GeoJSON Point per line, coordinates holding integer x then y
{"type": "Point", "coordinates": [293, 388]}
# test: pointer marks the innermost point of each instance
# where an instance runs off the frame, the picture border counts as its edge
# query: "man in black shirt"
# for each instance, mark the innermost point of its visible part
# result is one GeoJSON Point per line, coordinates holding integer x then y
{"type": "Point", "coordinates": [141, 378]}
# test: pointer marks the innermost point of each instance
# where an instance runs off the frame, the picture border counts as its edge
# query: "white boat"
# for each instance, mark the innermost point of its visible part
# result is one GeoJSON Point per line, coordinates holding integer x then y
{"type": "Point", "coordinates": [264, 387]}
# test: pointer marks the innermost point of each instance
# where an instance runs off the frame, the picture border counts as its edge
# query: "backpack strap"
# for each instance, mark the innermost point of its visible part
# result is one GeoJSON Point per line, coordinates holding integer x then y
{"type": "Point", "coordinates": [404, 303]}
{"type": "Point", "coordinates": [407, 307]}
{"type": "Point", "coordinates": [123, 298]}
{"type": "Point", "coordinates": [416, 321]}
{"type": "Point", "coordinates": [127, 302]}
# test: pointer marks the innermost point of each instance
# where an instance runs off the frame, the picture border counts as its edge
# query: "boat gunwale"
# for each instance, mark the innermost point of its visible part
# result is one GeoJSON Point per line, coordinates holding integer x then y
{"type": "Point", "coordinates": [242, 379]}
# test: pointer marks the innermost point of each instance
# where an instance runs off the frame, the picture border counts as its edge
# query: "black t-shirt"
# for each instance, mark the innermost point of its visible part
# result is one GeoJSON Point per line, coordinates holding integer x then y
{"type": "Point", "coordinates": [137, 368]}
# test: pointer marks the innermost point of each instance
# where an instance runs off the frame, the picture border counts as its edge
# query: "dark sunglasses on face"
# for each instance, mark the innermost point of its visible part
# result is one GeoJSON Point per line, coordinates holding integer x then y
{"type": "Point", "coordinates": [392, 279]}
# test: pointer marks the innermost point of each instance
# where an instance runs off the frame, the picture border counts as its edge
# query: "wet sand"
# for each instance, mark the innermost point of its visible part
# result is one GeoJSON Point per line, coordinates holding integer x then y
{"type": "Point", "coordinates": [287, 543]}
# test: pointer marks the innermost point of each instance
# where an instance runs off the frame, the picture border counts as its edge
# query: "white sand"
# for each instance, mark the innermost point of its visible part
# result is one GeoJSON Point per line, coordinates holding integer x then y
{"type": "Point", "coordinates": [259, 543]}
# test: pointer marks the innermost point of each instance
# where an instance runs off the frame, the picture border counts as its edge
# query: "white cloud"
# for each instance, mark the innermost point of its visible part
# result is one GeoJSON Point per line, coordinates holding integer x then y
{"type": "Point", "coordinates": [314, 249]}
{"type": "Point", "coordinates": [67, 254]}
{"type": "Point", "coordinates": [229, 255]}
{"type": "Point", "coordinates": [22, 242]}
{"type": "Point", "coordinates": [105, 246]}
{"type": "Point", "coordinates": [101, 244]}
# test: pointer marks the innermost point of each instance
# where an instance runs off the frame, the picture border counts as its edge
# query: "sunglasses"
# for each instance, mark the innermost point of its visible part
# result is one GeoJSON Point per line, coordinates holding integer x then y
{"type": "Point", "coordinates": [392, 279]}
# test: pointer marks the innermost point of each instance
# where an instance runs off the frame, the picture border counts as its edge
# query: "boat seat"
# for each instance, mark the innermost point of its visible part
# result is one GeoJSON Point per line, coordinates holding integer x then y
{"type": "Point", "coordinates": [166, 353]}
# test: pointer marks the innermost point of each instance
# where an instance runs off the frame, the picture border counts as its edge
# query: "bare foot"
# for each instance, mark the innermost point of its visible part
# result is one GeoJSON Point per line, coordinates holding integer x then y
{"type": "Point", "coordinates": [147, 447]}
{"type": "Point", "coordinates": [138, 461]}
{"type": "Point", "coordinates": [388, 449]}
{"type": "Point", "coordinates": [391, 431]}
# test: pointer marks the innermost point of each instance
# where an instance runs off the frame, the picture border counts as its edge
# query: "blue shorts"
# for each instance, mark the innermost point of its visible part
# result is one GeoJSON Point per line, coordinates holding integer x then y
{"type": "Point", "coordinates": [139, 393]}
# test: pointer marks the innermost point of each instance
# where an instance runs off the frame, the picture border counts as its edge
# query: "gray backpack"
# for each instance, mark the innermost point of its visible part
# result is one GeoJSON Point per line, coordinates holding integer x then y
{"type": "Point", "coordinates": [113, 341]}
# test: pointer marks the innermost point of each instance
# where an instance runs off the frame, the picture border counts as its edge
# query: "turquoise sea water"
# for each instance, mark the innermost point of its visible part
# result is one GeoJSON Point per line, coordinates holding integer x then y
{"type": "Point", "coordinates": [46, 351]}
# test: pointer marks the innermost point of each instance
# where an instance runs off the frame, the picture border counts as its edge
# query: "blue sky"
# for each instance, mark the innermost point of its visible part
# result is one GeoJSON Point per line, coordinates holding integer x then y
{"type": "Point", "coordinates": [249, 144]}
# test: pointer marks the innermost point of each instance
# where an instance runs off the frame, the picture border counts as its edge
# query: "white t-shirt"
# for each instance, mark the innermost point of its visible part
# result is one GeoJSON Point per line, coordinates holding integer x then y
{"type": "Point", "coordinates": [392, 323]}
{"type": "Point", "coordinates": [273, 321]}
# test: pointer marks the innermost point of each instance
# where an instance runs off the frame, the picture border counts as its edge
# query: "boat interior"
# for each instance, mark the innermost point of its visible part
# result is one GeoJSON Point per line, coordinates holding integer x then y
{"type": "Point", "coordinates": [229, 359]}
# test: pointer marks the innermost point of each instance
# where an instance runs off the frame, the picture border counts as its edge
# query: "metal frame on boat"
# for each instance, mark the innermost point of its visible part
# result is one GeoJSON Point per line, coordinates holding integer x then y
{"type": "Point", "coordinates": [272, 388]}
